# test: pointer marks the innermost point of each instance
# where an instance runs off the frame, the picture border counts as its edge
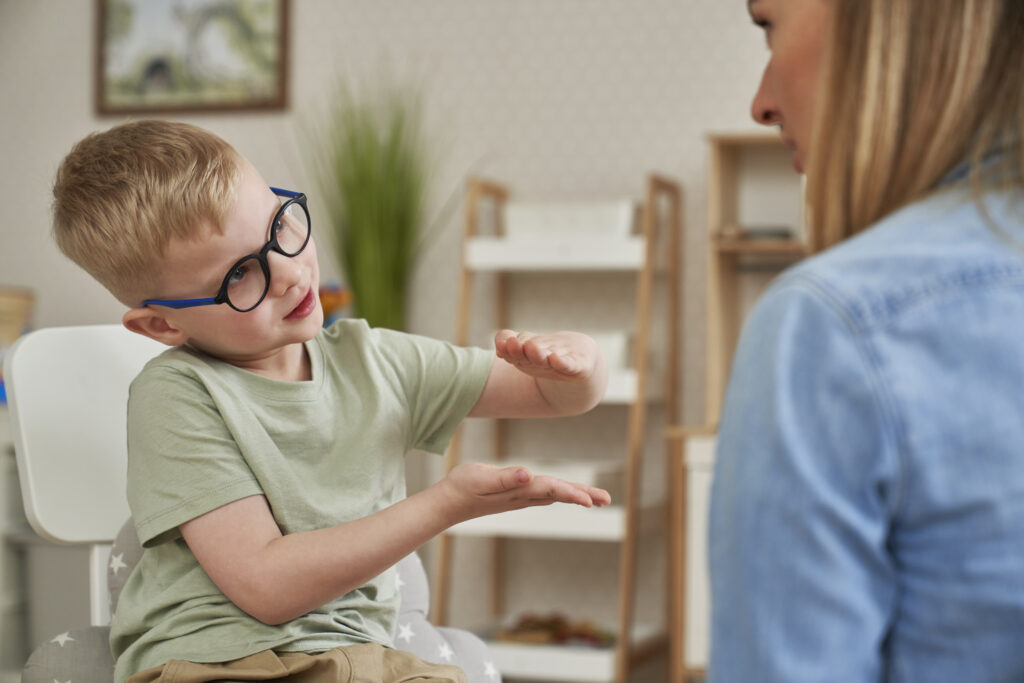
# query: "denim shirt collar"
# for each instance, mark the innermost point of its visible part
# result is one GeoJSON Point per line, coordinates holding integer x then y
{"type": "Point", "coordinates": [962, 171]}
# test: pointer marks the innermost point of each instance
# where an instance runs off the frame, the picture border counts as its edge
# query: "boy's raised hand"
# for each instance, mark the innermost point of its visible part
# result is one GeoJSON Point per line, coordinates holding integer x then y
{"type": "Point", "coordinates": [565, 356]}
{"type": "Point", "coordinates": [475, 489]}
{"type": "Point", "coordinates": [542, 375]}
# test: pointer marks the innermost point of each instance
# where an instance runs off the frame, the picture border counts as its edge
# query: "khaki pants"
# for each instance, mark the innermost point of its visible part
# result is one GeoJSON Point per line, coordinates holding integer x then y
{"type": "Point", "coordinates": [368, 663]}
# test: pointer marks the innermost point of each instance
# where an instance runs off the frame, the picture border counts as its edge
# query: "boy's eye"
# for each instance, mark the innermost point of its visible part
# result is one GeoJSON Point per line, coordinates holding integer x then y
{"type": "Point", "coordinates": [239, 273]}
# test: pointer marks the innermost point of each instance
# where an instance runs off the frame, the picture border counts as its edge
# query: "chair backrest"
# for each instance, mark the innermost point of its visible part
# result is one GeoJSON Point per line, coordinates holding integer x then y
{"type": "Point", "coordinates": [67, 393]}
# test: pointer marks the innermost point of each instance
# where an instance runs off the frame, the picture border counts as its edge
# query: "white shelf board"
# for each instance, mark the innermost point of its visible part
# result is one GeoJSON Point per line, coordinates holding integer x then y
{"type": "Point", "coordinates": [500, 254]}
{"type": "Point", "coordinates": [559, 521]}
{"type": "Point", "coordinates": [561, 662]}
{"type": "Point", "coordinates": [622, 387]}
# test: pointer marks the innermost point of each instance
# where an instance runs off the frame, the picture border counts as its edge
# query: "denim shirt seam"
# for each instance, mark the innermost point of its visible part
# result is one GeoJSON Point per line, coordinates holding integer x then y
{"type": "Point", "coordinates": [883, 309]}
{"type": "Point", "coordinates": [861, 334]}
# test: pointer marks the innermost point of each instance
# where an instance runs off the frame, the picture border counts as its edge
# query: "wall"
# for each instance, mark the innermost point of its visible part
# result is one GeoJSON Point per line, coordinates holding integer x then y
{"type": "Point", "coordinates": [557, 98]}
{"type": "Point", "coordinates": [577, 98]}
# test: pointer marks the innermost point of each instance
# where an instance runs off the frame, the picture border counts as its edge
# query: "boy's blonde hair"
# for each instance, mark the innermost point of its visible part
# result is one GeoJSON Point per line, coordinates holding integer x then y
{"type": "Point", "coordinates": [909, 90]}
{"type": "Point", "coordinates": [121, 195]}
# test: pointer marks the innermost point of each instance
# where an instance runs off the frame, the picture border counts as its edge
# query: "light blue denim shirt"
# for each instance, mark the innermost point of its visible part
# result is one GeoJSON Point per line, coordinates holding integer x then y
{"type": "Point", "coordinates": [867, 514]}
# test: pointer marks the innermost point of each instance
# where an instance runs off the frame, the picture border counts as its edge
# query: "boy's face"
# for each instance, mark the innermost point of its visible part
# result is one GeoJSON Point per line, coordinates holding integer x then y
{"type": "Point", "coordinates": [290, 313]}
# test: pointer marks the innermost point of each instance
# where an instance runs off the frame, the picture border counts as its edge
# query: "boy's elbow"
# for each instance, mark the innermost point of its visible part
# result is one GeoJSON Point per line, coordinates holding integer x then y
{"type": "Point", "coordinates": [265, 610]}
{"type": "Point", "coordinates": [262, 602]}
{"type": "Point", "coordinates": [271, 617]}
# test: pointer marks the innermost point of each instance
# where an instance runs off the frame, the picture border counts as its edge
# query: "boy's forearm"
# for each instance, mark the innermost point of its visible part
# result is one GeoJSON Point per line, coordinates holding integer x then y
{"type": "Point", "coordinates": [297, 573]}
{"type": "Point", "coordinates": [276, 578]}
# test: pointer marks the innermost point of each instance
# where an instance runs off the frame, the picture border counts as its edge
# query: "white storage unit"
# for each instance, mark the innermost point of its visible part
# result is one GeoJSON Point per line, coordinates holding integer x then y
{"type": "Point", "coordinates": [692, 465]}
{"type": "Point", "coordinates": [592, 240]}
{"type": "Point", "coordinates": [44, 587]}
{"type": "Point", "coordinates": [13, 612]}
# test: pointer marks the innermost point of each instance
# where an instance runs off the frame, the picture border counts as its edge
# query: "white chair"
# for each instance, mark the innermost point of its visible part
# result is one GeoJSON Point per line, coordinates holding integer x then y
{"type": "Point", "coordinates": [67, 392]}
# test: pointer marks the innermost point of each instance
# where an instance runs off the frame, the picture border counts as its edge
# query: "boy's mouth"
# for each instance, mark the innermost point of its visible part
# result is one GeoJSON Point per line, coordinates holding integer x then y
{"type": "Point", "coordinates": [304, 308]}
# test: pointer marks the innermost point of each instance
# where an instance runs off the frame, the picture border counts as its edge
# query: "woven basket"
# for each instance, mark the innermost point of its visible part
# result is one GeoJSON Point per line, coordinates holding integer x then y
{"type": "Point", "coordinates": [15, 314]}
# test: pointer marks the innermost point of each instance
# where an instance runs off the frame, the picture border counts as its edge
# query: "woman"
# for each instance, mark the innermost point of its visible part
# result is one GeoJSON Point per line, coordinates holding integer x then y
{"type": "Point", "coordinates": [867, 516]}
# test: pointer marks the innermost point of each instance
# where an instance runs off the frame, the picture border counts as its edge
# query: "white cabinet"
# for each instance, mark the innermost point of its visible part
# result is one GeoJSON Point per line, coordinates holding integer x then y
{"type": "Point", "coordinates": [692, 465]}
{"type": "Point", "coordinates": [13, 646]}
{"type": "Point", "coordinates": [641, 250]}
{"type": "Point", "coordinates": [44, 588]}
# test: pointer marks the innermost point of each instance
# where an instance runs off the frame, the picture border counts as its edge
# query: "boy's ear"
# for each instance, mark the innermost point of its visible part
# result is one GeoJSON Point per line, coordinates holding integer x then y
{"type": "Point", "coordinates": [151, 323]}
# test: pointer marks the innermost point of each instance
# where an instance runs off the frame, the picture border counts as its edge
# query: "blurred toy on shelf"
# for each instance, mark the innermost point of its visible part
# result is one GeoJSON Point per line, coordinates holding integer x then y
{"type": "Point", "coordinates": [555, 629]}
{"type": "Point", "coordinates": [15, 320]}
{"type": "Point", "coordinates": [336, 301]}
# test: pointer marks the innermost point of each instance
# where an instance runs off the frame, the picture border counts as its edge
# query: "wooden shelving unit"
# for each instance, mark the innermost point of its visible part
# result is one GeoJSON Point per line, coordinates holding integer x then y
{"type": "Point", "coordinates": [755, 229]}
{"type": "Point", "coordinates": [656, 246]}
{"type": "Point", "coordinates": [753, 193]}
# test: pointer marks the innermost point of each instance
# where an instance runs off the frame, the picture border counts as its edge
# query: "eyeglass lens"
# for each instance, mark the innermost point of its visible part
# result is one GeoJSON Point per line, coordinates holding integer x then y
{"type": "Point", "coordinates": [247, 282]}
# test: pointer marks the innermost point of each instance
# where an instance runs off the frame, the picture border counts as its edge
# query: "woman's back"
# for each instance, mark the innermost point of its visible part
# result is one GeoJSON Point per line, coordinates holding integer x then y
{"type": "Point", "coordinates": [874, 431]}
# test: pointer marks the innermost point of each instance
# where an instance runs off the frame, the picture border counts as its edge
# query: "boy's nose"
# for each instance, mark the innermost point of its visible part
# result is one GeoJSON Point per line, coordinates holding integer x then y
{"type": "Point", "coordinates": [285, 272]}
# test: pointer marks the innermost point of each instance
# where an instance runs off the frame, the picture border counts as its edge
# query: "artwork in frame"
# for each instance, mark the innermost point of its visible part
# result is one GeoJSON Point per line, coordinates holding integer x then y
{"type": "Point", "coordinates": [191, 55]}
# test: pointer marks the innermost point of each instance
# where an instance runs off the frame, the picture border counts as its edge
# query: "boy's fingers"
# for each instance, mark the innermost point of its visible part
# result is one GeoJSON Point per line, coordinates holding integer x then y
{"type": "Point", "coordinates": [599, 496]}
{"type": "Point", "coordinates": [513, 477]}
{"type": "Point", "coordinates": [563, 363]}
{"type": "Point", "coordinates": [536, 353]}
{"type": "Point", "coordinates": [561, 491]}
{"type": "Point", "coordinates": [504, 335]}
{"type": "Point", "coordinates": [511, 350]}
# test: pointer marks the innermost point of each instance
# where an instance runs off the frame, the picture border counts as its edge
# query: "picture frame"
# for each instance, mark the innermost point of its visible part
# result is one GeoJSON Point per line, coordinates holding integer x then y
{"type": "Point", "coordinates": [182, 56]}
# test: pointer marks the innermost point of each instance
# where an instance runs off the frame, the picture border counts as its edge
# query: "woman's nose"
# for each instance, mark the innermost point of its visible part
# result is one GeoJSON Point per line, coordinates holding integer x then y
{"type": "Point", "coordinates": [763, 109]}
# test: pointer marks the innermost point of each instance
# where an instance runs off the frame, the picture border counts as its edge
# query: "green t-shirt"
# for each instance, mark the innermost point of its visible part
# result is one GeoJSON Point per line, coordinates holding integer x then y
{"type": "Point", "coordinates": [203, 433]}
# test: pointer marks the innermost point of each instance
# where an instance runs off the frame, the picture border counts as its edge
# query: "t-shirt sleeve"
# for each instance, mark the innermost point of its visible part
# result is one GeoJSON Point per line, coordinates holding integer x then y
{"type": "Point", "coordinates": [182, 459]}
{"type": "Point", "coordinates": [441, 382]}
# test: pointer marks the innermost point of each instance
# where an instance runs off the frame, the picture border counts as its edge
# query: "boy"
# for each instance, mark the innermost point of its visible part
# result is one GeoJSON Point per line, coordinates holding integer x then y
{"type": "Point", "coordinates": [265, 471]}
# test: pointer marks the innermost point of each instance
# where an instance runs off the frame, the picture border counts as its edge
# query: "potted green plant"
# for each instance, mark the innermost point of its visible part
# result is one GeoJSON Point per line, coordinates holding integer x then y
{"type": "Point", "coordinates": [372, 169]}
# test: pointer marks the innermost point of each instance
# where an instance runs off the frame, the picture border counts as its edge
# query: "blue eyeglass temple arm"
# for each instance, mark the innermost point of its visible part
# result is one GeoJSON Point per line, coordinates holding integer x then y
{"type": "Point", "coordinates": [180, 303]}
{"type": "Point", "coordinates": [207, 301]}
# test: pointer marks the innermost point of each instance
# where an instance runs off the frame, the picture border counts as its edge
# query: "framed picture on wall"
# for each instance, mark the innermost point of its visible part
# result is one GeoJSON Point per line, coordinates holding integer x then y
{"type": "Point", "coordinates": [191, 55]}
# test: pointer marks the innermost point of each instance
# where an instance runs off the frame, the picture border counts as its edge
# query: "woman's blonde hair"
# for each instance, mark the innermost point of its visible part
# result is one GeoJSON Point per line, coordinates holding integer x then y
{"type": "Point", "coordinates": [910, 89]}
{"type": "Point", "coordinates": [121, 195]}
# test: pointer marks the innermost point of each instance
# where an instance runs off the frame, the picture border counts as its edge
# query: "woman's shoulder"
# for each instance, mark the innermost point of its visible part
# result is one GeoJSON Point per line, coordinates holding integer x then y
{"type": "Point", "coordinates": [943, 246]}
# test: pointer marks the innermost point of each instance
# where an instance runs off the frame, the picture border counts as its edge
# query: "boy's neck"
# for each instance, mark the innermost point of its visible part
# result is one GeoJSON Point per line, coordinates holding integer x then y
{"type": "Point", "coordinates": [288, 364]}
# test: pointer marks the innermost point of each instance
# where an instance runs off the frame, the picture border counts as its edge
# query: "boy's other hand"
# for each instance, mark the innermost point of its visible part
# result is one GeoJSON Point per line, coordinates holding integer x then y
{"type": "Point", "coordinates": [476, 489]}
{"type": "Point", "coordinates": [564, 356]}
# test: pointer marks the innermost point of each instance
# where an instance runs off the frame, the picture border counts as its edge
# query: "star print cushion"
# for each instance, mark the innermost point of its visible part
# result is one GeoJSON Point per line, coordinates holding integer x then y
{"type": "Point", "coordinates": [124, 555]}
{"type": "Point", "coordinates": [437, 644]}
{"type": "Point", "coordinates": [79, 656]}
{"type": "Point", "coordinates": [83, 656]}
